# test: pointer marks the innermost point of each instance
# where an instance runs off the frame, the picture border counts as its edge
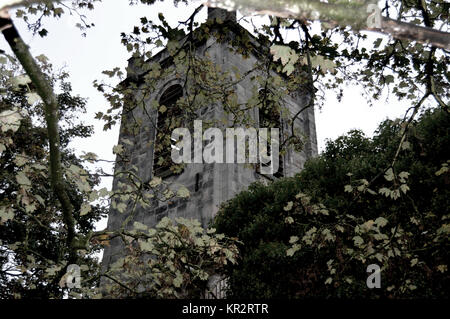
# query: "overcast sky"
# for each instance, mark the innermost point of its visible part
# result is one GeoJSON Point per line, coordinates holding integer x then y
{"type": "Point", "coordinates": [86, 57]}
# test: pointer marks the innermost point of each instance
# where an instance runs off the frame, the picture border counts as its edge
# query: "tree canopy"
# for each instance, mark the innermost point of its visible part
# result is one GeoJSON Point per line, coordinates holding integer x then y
{"type": "Point", "coordinates": [33, 246]}
{"type": "Point", "coordinates": [315, 234]}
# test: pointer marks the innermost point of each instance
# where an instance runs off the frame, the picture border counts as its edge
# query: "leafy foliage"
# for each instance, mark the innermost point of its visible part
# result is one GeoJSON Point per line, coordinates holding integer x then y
{"type": "Point", "coordinates": [314, 235]}
{"type": "Point", "coordinates": [33, 251]}
{"type": "Point", "coordinates": [172, 260]}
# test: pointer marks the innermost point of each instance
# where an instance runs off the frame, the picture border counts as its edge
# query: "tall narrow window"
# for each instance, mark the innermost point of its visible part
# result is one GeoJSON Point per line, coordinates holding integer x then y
{"type": "Point", "coordinates": [169, 118]}
{"type": "Point", "coordinates": [269, 117]}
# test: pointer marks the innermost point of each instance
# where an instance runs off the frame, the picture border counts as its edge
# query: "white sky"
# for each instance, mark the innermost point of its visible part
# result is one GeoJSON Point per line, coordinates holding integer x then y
{"type": "Point", "coordinates": [85, 59]}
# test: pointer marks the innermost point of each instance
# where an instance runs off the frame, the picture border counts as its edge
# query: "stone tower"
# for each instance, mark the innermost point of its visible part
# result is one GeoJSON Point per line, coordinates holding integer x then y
{"type": "Point", "coordinates": [209, 184]}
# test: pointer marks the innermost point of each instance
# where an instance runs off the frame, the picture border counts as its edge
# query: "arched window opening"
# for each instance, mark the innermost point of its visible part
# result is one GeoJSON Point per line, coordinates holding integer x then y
{"type": "Point", "coordinates": [169, 118]}
{"type": "Point", "coordinates": [269, 117]}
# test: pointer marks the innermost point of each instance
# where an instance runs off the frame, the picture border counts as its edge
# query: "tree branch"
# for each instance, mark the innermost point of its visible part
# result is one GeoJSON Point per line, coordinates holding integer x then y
{"type": "Point", "coordinates": [412, 32]}
{"type": "Point", "coordinates": [405, 129]}
{"type": "Point", "coordinates": [354, 14]}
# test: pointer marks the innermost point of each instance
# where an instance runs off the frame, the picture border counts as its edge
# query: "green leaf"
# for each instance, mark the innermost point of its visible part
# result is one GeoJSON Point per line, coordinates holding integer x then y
{"type": "Point", "coordinates": [172, 47]}
{"type": "Point", "coordinates": [291, 251]}
{"type": "Point", "coordinates": [178, 280]}
{"type": "Point", "coordinates": [288, 207]}
{"type": "Point", "coordinates": [183, 192]}
{"type": "Point", "coordinates": [289, 220]}
{"type": "Point", "coordinates": [146, 245]}
{"type": "Point", "coordinates": [20, 160]}
{"type": "Point", "coordinates": [442, 268]}
{"type": "Point", "coordinates": [404, 188]}
{"type": "Point", "coordinates": [348, 188]}
{"type": "Point", "coordinates": [288, 68]}
{"type": "Point", "coordinates": [358, 241]}
{"type": "Point", "coordinates": [403, 175]}
{"type": "Point", "coordinates": [22, 179]}
{"type": "Point", "coordinates": [388, 79]}
{"type": "Point", "coordinates": [164, 222]}
{"type": "Point", "coordinates": [43, 33]}
{"type": "Point", "coordinates": [40, 199]}
{"type": "Point", "coordinates": [29, 208]}
{"type": "Point", "coordinates": [361, 188]}
{"type": "Point", "coordinates": [90, 157]}
{"type": "Point", "coordinates": [10, 120]}
{"type": "Point", "coordinates": [139, 226]}
{"type": "Point", "coordinates": [58, 12]}
{"type": "Point", "coordinates": [6, 214]}
{"type": "Point", "coordinates": [323, 63]}
{"type": "Point", "coordinates": [389, 175]}
{"type": "Point", "coordinates": [403, 84]}
{"type": "Point", "coordinates": [118, 149]}
{"type": "Point", "coordinates": [156, 181]}
{"type": "Point", "coordinates": [287, 55]}
{"type": "Point", "coordinates": [384, 191]}
{"type": "Point", "coordinates": [162, 109]}
{"type": "Point", "coordinates": [381, 221]}
{"type": "Point", "coordinates": [85, 209]}
{"type": "Point", "coordinates": [20, 80]}
{"type": "Point", "coordinates": [293, 239]}
{"type": "Point", "coordinates": [42, 58]}
{"type": "Point", "coordinates": [377, 43]}
{"type": "Point", "coordinates": [406, 145]}
{"type": "Point", "coordinates": [281, 52]}
{"type": "Point", "coordinates": [444, 169]}
{"type": "Point", "coordinates": [328, 235]}
{"type": "Point", "coordinates": [340, 228]}
{"type": "Point", "coordinates": [395, 194]}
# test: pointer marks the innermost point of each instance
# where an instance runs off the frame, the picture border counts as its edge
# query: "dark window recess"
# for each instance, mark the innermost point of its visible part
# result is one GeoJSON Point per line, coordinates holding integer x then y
{"type": "Point", "coordinates": [197, 180]}
{"type": "Point", "coordinates": [169, 118]}
{"type": "Point", "coordinates": [269, 117]}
